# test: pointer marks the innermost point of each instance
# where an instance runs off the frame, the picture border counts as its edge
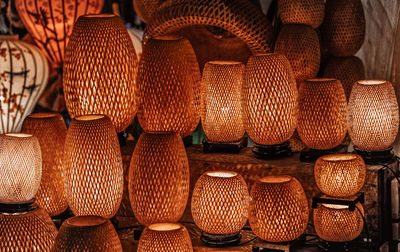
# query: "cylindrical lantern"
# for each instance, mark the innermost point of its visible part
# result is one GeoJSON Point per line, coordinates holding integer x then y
{"type": "Point", "coordinates": [159, 178]}
{"type": "Point", "coordinates": [343, 30]}
{"type": "Point", "coordinates": [87, 233]}
{"type": "Point", "coordinates": [278, 209]}
{"type": "Point", "coordinates": [220, 205]}
{"type": "Point", "coordinates": [93, 167]}
{"type": "Point", "coordinates": [308, 12]}
{"type": "Point", "coordinates": [24, 73]}
{"type": "Point", "coordinates": [300, 44]}
{"type": "Point", "coordinates": [50, 129]}
{"type": "Point", "coordinates": [221, 113]}
{"type": "Point", "coordinates": [269, 99]}
{"type": "Point", "coordinates": [100, 70]}
{"type": "Point", "coordinates": [167, 77]}
{"type": "Point", "coordinates": [146, 8]}
{"type": "Point", "coordinates": [50, 22]}
{"type": "Point", "coordinates": [323, 111]}
{"type": "Point", "coordinates": [167, 237]}
{"type": "Point", "coordinates": [336, 223]}
{"type": "Point", "coordinates": [20, 167]}
{"type": "Point", "coordinates": [340, 175]}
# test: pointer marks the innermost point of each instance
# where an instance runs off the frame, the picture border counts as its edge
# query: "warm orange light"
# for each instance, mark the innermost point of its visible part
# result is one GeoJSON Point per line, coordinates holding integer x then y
{"type": "Point", "coordinates": [308, 12]}
{"type": "Point", "coordinates": [278, 209]}
{"type": "Point", "coordinates": [146, 8]}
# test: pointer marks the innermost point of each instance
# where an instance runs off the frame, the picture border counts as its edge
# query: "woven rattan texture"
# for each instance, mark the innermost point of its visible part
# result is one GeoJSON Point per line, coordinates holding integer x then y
{"type": "Point", "coordinates": [323, 113]}
{"type": "Point", "coordinates": [373, 116]}
{"type": "Point", "coordinates": [308, 12]}
{"type": "Point", "coordinates": [93, 167]}
{"type": "Point", "coordinates": [159, 178]}
{"type": "Point", "coordinates": [220, 203]}
{"type": "Point", "coordinates": [146, 8]}
{"type": "Point", "coordinates": [20, 167]}
{"type": "Point", "coordinates": [50, 130]}
{"type": "Point", "coordinates": [177, 240]}
{"type": "Point", "coordinates": [100, 70]}
{"type": "Point", "coordinates": [300, 44]}
{"type": "Point", "coordinates": [168, 79]}
{"type": "Point", "coordinates": [338, 225]}
{"type": "Point", "coordinates": [87, 233]}
{"type": "Point", "coordinates": [340, 175]}
{"type": "Point", "coordinates": [343, 30]}
{"type": "Point", "coordinates": [31, 231]}
{"type": "Point", "coordinates": [221, 113]}
{"type": "Point", "coordinates": [278, 210]}
{"type": "Point", "coordinates": [295, 142]}
{"type": "Point", "coordinates": [269, 99]}
{"type": "Point", "coordinates": [241, 18]}
{"type": "Point", "coordinates": [346, 69]}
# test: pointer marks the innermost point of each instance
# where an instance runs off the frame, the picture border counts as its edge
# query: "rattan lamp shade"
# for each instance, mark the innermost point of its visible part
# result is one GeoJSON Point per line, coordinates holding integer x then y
{"type": "Point", "coordinates": [323, 110]}
{"type": "Point", "coordinates": [278, 209]}
{"type": "Point", "coordinates": [146, 8]}
{"type": "Point", "coordinates": [300, 44]}
{"type": "Point", "coordinates": [100, 70]}
{"type": "Point", "coordinates": [308, 12]}
{"type": "Point", "coordinates": [159, 178]}
{"type": "Point", "coordinates": [336, 223]}
{"type": "Point", "coordinates": [50, 22]}
{"type": "Point", "coordinates": [93, 167]}
{"type": "Point", "coordinates": [343, 30]}
{"type": "Point", "coordinates": [373, 115]}
{"type": "Point", "coordinates": [221, 113]}
{"type": "Point", "coordinates": [220, 202]}
{"type": "Point", "coordinates": [340, 175]}
{"type": "Point", "coordinates": [269, 99]}
{"type": "Point", "coordinates": [87, 233]}
{"type": "Point", "coordinates": [50, 130]}
{"type": "Point", "coordinates": [20, 167]}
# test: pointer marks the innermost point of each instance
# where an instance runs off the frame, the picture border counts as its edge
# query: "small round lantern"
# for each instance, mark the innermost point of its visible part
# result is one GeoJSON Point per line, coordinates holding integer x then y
{"type": "Point", "coordinates": [340, 175]}
{"type": "Point", "coordinates": [308, 12]}
{"type": "Point", "coordinates": [93, 167]}
{"type": "Point", "coordinates": [335, 223]}
{"type": "Point", "coordinates": [167, 237]}
{"type": "Point", "coordinates": [278, 209]}
{"type": "Point", "coordinates": [159, 178]}
{"type": "Point", "coordinates": [87, 233]}
{"type": "Point", "coordinates": [220, 205]}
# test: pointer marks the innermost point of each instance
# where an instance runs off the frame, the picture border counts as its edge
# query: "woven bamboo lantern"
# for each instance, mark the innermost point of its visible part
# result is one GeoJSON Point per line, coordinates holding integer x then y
{"type": "Point", "coordinates": [323, 111]}
{"type": "Point", "coordinates": [146, 8]}
{"type": "Point", "coordinates": [336, 223]}
{"type": "Point", "coordinates": [50, 22]}
{"type": "Point", "coordinates": [300, 44]}
{"type": "Point", "coordinates": [93, 167]}
{"type": "Point", "coordinates": [278, 209]}
{"type": "Point", "coordinates": [50, 130]}
{"type": "Point", "coordinates": [167, 237]}
{"type": "Point", "coordinates": [20, 167]}
{"type": "Point", "coordinates": [343, 30]}
{"type": "Point", "coordinates": [221, 113]}
{"type": "Point", "coordinates": [373, 115]}
{"type": "Point", "coordinates": [340, 175]}
{"type": "Point", "coordinates": [24, 73]}
{"type": "Point", "coordinates": [347, 70]}
{"type": "Point", "coordinates": [169, 89]}
{"type": "Point", "coordinates": [159, 178]}
{"type": "Point", "coordinates": [220, 204]}
{"type": "Point", "coordinates": [100, 70]}
{"type": "Point", "coordinates": [308, 12]}
{"type": "Point", "coordinates": [87, 233]}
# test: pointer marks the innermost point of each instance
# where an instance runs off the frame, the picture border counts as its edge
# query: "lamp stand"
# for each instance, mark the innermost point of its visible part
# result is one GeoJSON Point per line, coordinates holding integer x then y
{"type": "Point", "coordinates": [216, 240]}
{"type": "Point", "coordinates": [376, 157]}
{"type": "Point", "coordinates": [276, 151]}
{"type": "Point", "coordinates": [221, 147]}
{"type": "Point", "coordinates": [311, 155]}
{"type": "Point", "coordinates": [20, 207]}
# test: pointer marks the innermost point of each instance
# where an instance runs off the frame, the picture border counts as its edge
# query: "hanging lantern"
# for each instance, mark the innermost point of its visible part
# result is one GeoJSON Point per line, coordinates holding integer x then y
{"type": "Point", "coordinates": [50, 22]}
{"type": "Point", "coordinates": [100, 69]}
{"type": "Point", "coordinates": [270, 104]}
{"type": "Point", "coordinates": [87, 233]}
{"type": "Point", "coordinates": [308, 12]}
{"type": "Point", "coordinates": [93, 167]}
{"type": "Point", "coordinates": [24, 73]}
{"type": "Point", "coordinates": [278, 209]}
{"type": "Point", "coordinates": [159, 178]}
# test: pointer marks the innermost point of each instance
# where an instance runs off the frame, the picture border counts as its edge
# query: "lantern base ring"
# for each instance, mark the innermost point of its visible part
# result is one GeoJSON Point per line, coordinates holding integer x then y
{"type": "Point", "coordinates": [17, 207]}
{"type": "Point", "coordinates": [218, 240]}
{"type": "Point", "coordinates": [275, 151]}
{"type": "Point", "coordinates": [311, 155]}
{"type": "Point", "coordinates": [224, 147]}
{"type": "Point", "coordinates": [376, 157]}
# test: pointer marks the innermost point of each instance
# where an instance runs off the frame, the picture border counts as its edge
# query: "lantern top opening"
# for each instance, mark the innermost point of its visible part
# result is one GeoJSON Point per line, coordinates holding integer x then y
{"type": "Point", "coordinates": [336, 207]}
{"type": "Point", "coordinates": [338, 157]}
{"type": "Point", "coordinates": [19, 135]}
{"type": "Point", "coordinates": [85, 221]}
{"type": "Point", "coordinates": [371, 82]}
{"type": "Point", "coordinates": [221, 174]}
{"type": "Point", "coordinates": [164, 227]}
{"type": "Point", "coordinates": [224, 62]}
{"type": "Point", "coordinates": [103, 15]}
{"type": "Point", "coordinates": [316, 80]}
{"type": "Point", "coordinates": [42, 115]}
{"type": "Point", "coordinates": [276, 179]}
{"type": "Point", "coordinates": [89, 117]}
